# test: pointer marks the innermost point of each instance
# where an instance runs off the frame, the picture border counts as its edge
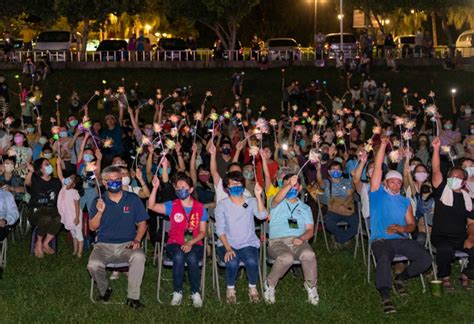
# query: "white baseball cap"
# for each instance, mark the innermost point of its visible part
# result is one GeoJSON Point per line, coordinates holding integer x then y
{"type": "Point", "coordinates": [392, 174]}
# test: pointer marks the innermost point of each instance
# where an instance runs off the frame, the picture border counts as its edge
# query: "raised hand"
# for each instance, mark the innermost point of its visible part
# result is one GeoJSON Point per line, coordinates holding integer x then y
{"type": "Point", "coordinates": [156, 182]}
{"type": "Point", "coordinates": [100, 205]}
{"type": "Point", "coordinates": [258, 190]}
{"type": "Point", "coordinates": [436, 143]}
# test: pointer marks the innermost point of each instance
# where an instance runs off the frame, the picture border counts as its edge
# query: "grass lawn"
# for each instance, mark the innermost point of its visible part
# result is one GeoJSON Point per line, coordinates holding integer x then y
{"type": "Point", "coordinates": [56, 288]}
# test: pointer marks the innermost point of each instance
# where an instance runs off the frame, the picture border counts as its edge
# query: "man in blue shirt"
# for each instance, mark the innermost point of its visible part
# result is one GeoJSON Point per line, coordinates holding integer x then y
{"type": "Point", "coordinates": [291, 227]}
{"type": "Point", "coordinates": [391, 218]}
{"type": "Point", "coordinates": [120, 221]}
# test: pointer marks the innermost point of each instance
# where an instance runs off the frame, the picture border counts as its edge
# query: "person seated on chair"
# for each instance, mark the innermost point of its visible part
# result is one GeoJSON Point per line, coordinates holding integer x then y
{"type": "Point", "coordinates": [391, 221]}
{"type": "Point", "coordinates": [188, 219]}
{"type": "Point", "coordinates": [44, 190]}
{"type": "Point", "coordinates": [8, 213]}
{"type": "Point", "coordinates": [235, 227]}
{"type": "Point", "coordinates": [119, 219]}
{"type": "Point", "coordinates": [453, 221]}
{"type": "Point", "coordinates": [291, 227]}
{"type": "Point", "coordinates": [338, 192]}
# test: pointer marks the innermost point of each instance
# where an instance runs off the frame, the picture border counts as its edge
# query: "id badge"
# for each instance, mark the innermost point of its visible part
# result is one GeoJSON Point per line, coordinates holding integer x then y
{"type": "Point", "coordinates": [188, 236]}
{"type": "Point", "coordinates": [292, 223]}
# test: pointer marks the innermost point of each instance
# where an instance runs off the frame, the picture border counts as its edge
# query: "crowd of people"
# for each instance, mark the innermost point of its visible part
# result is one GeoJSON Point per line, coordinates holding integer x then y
{"type": "Point", "coordinates": [114, 183]}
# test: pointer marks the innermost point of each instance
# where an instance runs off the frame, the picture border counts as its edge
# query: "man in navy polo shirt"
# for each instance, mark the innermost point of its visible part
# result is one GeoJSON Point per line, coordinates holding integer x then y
{"type": "Point", "coordinates": [120, 221]}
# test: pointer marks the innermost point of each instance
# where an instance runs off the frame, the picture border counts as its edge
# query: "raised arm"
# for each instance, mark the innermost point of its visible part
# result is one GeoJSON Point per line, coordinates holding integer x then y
{"type": "Point", "coordinates": [181, 164]}
{"type": "Point", "coordinates": [266, 172]}
{"type": "Point", "coordinates": [59, 169]}
{"type": "Point", "coordinates": [356, 178]}
{"type": "Point", "coordinates": [152, 205]}
{"type": "Point", "coordinates": [214, 173]}
{"type": "Point", "coordinates": [376, 178]}
{"type": "Point", "coordinates": [437, 176]}
{"type": "Point", "coordinates": [280, 196]}
{"type": "Point", "coordinates": [238, 149]}
{"type": "Point", "coordinates": [192, 164]}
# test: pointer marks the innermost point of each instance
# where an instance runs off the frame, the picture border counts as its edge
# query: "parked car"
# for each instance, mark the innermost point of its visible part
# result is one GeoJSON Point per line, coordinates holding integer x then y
{"type": "Point", "coordinates": [350, 45]}
{"type": "Point", "coordinates": [282, 49]}
{"type": "Point", "coordinates": [405, 45]}
{"type": "Point", "coordinates": [56, 43]}
{"type": "Point", "coordinates": [112, 50]}
{"type": "Point", "coordinates": [172, 49]}
{"type": "Point", "coordinates": [465, 43]}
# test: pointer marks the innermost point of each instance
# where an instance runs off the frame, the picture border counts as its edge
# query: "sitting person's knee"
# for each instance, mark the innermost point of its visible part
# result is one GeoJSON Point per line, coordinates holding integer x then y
{"type": "Point", "coordinates": [285, 258]}
{"type": "Point", "coordinates": [307, 255]}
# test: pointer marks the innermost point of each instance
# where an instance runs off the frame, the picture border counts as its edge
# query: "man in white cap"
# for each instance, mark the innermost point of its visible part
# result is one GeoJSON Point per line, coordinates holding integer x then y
{"type": "Point", "coordinates": [391, 221]}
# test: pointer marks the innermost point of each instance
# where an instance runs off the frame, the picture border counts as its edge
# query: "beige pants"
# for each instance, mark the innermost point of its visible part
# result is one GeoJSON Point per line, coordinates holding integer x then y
{"type": "Point", "coordinates": [284, 253]}
{"type": "Point", "coordinates": [105, 253]}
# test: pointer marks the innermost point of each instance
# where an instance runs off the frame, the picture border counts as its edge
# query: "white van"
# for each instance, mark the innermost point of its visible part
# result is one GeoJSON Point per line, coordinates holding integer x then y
{"type": "Point", "coordinates": [56, 43]}
{"type": "Point", "coordinates": [465, 43]}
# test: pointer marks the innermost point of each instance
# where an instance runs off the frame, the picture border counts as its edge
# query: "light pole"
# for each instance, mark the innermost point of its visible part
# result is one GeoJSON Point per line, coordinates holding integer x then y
{"type": "Point", "coordinates": [315, 26]}
{"type": "Point", "coordinates": [341, 25]}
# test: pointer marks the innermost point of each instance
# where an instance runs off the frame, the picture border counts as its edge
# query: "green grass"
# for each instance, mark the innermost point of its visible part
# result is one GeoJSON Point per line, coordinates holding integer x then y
{"type": "Point", "coordinates": [56, 289]}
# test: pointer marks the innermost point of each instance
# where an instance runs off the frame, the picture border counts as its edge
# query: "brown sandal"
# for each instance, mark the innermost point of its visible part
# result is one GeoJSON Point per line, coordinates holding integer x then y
{"type": "Point", "coordinates": [465, 282]}
{"type": "Point", "coordinates": [447, 286]}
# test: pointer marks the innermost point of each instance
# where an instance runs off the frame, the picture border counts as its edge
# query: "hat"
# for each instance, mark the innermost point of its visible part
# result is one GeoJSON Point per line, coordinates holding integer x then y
{"type": "Point", "coordinates": [392, 174]}
{"type": "Point", "coordinates": [110, 116]}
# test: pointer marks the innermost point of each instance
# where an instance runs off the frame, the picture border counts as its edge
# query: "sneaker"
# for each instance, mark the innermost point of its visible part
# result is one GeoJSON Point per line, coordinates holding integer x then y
{"type": "Point", "coordinates": [177, 298]}
{"type": "Point", "coordinates": [400, 287]}
{"type": "Point", "coordinates": [197, 300]}
{"type": "Point", "coordinates": [388, 307]}
{"type": "Point", "coordinates": [269, 294]}
{"type": "Point", "coordinates": [134, 303]}
{"type": "Point", "coordinates": [313, 296]}
{"type": "Point", "coordinates": [231, 296]}
{"type": "Point", "coordinates": [115, 275]}
{"type": "Point", "coordinates": [253, 295]}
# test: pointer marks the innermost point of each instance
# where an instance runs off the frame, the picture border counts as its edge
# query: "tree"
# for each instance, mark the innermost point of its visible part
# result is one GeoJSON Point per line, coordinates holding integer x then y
{"type": "Point", "coordinates": [221, 16]}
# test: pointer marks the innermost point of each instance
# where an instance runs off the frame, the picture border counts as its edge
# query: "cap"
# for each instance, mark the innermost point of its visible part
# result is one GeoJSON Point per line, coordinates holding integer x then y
{"type": "Point", "coordinates": [392, 174]}
{"type": "Point", "coordinates": [110, 116]}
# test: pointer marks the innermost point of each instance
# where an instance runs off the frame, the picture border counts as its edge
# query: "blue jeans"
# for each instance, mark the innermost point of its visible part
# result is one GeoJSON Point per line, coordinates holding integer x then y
{"type": "Point", "coordinates": [340, 234]}
{"type": "Point", "coordinates": [249, 256]}
{"type": "Point", "coordinates": [191, 259]}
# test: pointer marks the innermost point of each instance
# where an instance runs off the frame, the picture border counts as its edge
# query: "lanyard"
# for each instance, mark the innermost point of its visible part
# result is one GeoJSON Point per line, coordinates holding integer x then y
{"type": "Point", "coordinates": [291, 211]}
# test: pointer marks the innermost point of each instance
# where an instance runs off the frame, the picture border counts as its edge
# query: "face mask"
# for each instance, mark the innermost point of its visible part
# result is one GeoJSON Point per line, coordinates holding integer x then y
{"type": "Point", "coordinates": [336, 174]}
{"type": "Point", "coordinates": [160, 171]}
{"type": "Point", "coordinates": [62, 134]}
{"type": "Point", "coordinates": [114, 186]}
{"type": "Point", "coordinates": [30, 130]}
{"type": "Point", "coordinates": [67, 181]}
{"type": "Point", "coordinates": [351, 119]}
{"type": "Point", "coordinates": [470, 171]}
{"type": "Point", "coordinates": [204, 178]}
{"type": "Point", "coordinates": [42, 140]}
{"type": "Point", "coordinates": [302, 143]}
{"type": "Point", "coordinates": [18, 139]}
{"type": "Point", "coordinates": [448, 126]}
{"type": "Point", "coordinates": [292, 193]}
{"type": "Point", "coordinates": [412, 168]}
{"type": "Point", "coordinates": [370, 172]}
{"type": "Point", "coordinates": [48, 169]}
{"type": "Point", "coordinates": [182, 193]}
{"type": "Point", "coordinates": [472, 131]}
{"type": "Point", "coordinates": [9, 167]}
{"type": "Point", "coordinates": [388, 132]}
{"type": "Point", "coordinates": [88, 158]}
{"type": "Point", "coordinates": [454, 183]}
{"type": "Point", "coordinates": [280, 183]}
{"type": "Point", "coordinates": [226, 150]}
{"type": "Point", "coordinates": [73, 123]}
{"type": "Point", "coordinates": [421, 176]}
{"type": "Point", "coordinates": [236, 191]}
{"type": "Point", "coordinates": [390, 192]}
{"type": "Point", "coordinates": [248, 175]}
{"type": "Point", "coordinates": [125, 181]}
{"type": "Point", "coordinates": [467, 111]}
{"type": "Point", "coordinates": [148, 132]}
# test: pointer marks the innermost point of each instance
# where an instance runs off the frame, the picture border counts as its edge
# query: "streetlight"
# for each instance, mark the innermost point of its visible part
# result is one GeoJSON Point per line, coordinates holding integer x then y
{"type": "Point", "coordinates": [341, 23]}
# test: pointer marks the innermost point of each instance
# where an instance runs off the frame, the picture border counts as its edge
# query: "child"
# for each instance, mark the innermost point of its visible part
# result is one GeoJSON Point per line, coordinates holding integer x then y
{"type": "Point", "coordinates": [71, 217]}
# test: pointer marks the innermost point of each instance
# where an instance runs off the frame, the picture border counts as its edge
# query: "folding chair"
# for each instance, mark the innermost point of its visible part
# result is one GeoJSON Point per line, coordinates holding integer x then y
{"type": "Point", "coordinates": [360, 233]}
{"type": "Point", "coordinates": [120, 267]}
{"type": "Point", "coordinates": [320, 220]}
{"type": "Point", "coordinates": [217, 262]}
{"type": "Point", "coordinates": [268, 259]}
{"type": "Point", "coordinates": [396, 258]}
{"type": "Point", "coordinates": [3, 255]}
{"type": "Point", "coordinates": [164, 261]}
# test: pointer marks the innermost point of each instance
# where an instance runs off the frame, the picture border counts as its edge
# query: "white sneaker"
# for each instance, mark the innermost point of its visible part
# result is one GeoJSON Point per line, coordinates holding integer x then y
{"type": "Point", "coordinates": [313, 296]}
{"type": "Point", "coordinates": [231, 296]}
{"type": "Point", "coordinates": [197, 300]}
{"type": "Point", "coordinates": [115, 275]}
{"type": "Point", "coordinates": [177, 298]}
{"type": "Point", "coordinates": [269, 294]}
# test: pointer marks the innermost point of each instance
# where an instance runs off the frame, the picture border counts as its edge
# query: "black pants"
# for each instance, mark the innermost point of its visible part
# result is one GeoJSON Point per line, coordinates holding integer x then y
{"type": "Point", "coordinates": [4, 232]}
{"type": "Point", "coordinates": [445, 249]}
{"type": "Point", "coordinates": [385, 251]}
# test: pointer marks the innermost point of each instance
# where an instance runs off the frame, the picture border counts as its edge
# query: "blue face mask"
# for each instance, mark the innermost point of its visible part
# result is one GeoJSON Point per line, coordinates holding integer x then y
{"type": "Point", "coordinates": [62, 134]}
{"type": "Point", "coordinates": [336, 174]}
{"type": "Point", "coordinates": [88, 158]}
{"type": "Point", "coordinates": [114, 186]}
{"type": "Point", "coordinates": [236, 191]}
{"type": "Point", "coordinates": [67, 181]}
{"type": "Point", "coordinates": [292, 193]}
{"type": "Point", "coordinates": [48, 169]}
{"type": "Point", "coordinates": [280, 183]}
{"type": "Point", "coordinates": [182, 193]}
{"type": "Point", "coordinates": [73, 123]}
{"type": "Point", "coordinates": [351, 119]}
{"type": "Point", "coordinates": [302, 143]}
{"type": "Point", "coordinates": [226, 150]}
{"type": "Point", "coordinates": [160, 171]}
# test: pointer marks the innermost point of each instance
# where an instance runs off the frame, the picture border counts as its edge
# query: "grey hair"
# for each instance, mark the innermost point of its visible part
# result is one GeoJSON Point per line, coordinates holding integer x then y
{"type": "Point", "coordinates": [110, 169]}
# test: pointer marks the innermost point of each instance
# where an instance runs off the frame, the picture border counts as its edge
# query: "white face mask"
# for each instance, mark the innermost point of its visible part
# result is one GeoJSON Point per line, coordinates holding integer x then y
{"type": "Point", "coordinates": [470, 171]}
{"type": "Point", "coordinates": [125, 181]}
{"type": "Point", "coordinates": [390, 191]}
{"type": "Point", "coordinates": [421, 176]}
{"type": "Point", "coordinates": [454, 183]}
{"type": "Point", "coordinates": [9, 168]}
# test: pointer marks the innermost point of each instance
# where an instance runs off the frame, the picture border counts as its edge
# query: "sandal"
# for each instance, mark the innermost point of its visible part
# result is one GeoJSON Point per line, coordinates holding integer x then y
{"type": "Point", "coordinates": [447, 286]}
{"type": "Point", "coordinates": [388, 307]}
{"type": "Point", "coordinates": [465, 282]}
